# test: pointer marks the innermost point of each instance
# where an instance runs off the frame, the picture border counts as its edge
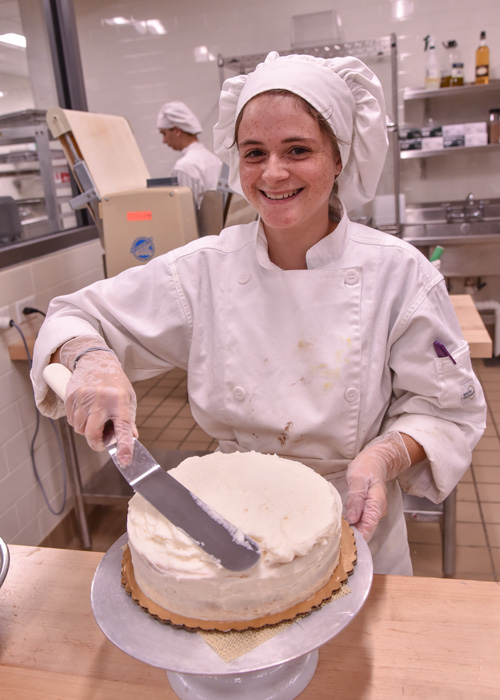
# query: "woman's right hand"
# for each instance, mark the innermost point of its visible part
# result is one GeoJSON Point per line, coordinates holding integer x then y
{"type": "Point", "coordinates": [98, 391]}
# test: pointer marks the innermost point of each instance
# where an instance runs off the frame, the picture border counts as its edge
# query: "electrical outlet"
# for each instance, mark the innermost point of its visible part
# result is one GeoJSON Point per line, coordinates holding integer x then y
{"type": "Point", "coordinates": [4, 317]}
{"type": "Point", "coordinates": [19, 306]}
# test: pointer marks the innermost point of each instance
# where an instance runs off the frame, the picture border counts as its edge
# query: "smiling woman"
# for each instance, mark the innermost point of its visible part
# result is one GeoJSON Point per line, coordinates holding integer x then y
{"type": "Point", "coordinates": [302, 324]}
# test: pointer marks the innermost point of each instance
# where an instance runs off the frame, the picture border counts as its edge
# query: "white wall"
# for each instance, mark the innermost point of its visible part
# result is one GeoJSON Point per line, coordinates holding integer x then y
{"type": "Point", "coordinates": [17, 93]}
{"type": "Point", "coordinates": [24, 517]}
{"type": "Point", "coordinates": [132, 75]}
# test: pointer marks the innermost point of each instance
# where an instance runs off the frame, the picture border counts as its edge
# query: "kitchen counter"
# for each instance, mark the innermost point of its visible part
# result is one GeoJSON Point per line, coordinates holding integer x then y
{"type": "Point", "coordinates": [415, 637]}
{"type": "Point", "coordinates": [473, 328]}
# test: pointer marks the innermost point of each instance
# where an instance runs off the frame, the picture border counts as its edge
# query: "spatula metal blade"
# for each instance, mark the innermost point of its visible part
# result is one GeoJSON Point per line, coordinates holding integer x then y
{"type": "Point", "coordinates": [213, 533]}
{"type": "Point", "coordinates": [219, 538]}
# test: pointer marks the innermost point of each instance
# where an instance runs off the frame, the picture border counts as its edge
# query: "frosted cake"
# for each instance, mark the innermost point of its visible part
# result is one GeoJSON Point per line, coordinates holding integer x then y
{"type": "Point", "coordinates": [291, 511]}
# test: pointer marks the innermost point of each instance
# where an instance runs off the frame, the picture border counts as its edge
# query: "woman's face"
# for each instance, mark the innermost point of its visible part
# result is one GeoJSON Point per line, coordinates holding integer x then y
{"type": "Point", "coordinates": [287, 165]}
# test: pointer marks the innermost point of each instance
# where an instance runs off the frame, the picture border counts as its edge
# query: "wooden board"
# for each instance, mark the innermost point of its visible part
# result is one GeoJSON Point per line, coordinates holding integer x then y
{"type": "Point", "coordinates": [472, 326]}
{"type": "Point", "coordinates": [107, 145]}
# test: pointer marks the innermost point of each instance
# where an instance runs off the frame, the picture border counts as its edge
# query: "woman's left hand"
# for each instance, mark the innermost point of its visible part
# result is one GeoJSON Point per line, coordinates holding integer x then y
{"type": "Point", "coordinates": [380, 461]}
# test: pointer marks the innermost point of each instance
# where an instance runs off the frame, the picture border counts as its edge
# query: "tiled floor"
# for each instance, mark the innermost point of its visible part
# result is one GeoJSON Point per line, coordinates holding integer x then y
{"type": "Point", "coordinates": [164, 421]}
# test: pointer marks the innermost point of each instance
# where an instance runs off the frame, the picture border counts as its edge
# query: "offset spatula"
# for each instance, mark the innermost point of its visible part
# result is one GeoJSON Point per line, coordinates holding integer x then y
{"type": "Point", "coordinates": [209, 530]}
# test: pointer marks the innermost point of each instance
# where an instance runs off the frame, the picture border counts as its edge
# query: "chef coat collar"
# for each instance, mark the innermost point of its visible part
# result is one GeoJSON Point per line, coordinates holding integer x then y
{"type": "Point", "coordinates": [323, 252]}
{"type": "Point", "coordinates": [191, 147]}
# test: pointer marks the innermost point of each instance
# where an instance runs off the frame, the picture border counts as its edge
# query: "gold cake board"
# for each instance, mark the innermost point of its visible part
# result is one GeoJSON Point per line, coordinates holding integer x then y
{"type": "Point", "coordinates": [345, 567]}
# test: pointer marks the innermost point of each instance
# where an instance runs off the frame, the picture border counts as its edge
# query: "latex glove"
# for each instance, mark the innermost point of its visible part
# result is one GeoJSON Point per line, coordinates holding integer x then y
{"type": "Point", "coordinates": [98, 391]}
{"type": "Point", "coordinates": [380, 461]}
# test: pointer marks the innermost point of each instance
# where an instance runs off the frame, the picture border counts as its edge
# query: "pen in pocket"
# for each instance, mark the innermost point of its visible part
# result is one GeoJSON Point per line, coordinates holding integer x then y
{"type": "Point", "coordinates": [442, 351]}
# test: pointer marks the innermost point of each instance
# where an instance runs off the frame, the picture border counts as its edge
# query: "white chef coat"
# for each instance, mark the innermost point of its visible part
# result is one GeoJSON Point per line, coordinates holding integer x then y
{"type": "Point", "coordinates": [199, 169]}
{"type": "Point", "coordinates": [309, 364]}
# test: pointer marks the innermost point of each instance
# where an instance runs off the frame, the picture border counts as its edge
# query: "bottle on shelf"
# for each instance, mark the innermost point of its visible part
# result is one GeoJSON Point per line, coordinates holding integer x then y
{"type": "Point", "coordinates": [457, 65]}
{"type": "Point", "coordinates": [449, 47]}
{"type": "Point", "coordinates": [494, 126]}
{"type": "Point", "coordinates": [482, 61]}
{"type": "Point", "coordinates": [432, 71]}
{"type": "Point", "coordinates": [452, 72]}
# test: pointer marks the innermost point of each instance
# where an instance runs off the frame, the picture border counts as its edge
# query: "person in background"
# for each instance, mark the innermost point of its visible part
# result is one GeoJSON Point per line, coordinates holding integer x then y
{"type": "Point", "coordinates": [303, 333]}
{"type": "Point", "coordinates": [197, 168]}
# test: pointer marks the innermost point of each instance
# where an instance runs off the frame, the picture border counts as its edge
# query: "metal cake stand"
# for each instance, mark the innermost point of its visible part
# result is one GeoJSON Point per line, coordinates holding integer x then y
{"type": "Point", "coordinates": [278, 669]}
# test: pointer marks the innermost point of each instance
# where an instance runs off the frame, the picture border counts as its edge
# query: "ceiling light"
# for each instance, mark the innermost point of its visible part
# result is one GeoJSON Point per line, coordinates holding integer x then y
{"type": "Point", "coordinates": [201, 54]}
{"type": "Point", "coordinates": [13, 40]}
{"type": "Point", "coordinates": [145, 26]}
{"type": "Point", "coordinates": [155, 26]}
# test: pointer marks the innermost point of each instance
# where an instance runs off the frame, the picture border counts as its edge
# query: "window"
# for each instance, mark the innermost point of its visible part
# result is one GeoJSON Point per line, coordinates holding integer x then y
{"type": "Point", "coordinates": [35, 182]}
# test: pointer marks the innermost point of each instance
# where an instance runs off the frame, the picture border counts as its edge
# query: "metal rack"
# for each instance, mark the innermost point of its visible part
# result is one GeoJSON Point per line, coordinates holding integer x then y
{"type": "Point", "coordinates": [461, 95]}
{"type": "Point", "coordinates": [42, 214]}
{"type": "Point", "coordinates": [376, 53]}
{"type": "Point", "coordinates": [365, 50]}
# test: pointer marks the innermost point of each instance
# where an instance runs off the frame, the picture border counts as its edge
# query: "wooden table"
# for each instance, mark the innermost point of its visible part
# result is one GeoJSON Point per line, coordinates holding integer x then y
{"type": "Point", "coordinates": [415, 637]}
{"type": "Point", "coordinates": [473, 328]}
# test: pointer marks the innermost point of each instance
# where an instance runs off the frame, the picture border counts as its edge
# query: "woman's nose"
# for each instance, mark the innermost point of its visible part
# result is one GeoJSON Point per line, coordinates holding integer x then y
{"type": "Point", "coordinates": [274, 169]}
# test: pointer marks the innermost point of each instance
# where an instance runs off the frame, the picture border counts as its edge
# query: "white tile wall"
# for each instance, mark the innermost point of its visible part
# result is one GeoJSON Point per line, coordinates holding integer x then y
{"type": "Point", "coordinates": [130, 74]}
{"type": "Point", "coordinates": [24, 515]}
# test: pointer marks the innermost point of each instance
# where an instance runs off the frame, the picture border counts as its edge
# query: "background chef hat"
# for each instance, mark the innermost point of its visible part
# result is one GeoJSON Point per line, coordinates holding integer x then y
{"type": "Point", "coordinates": [178, 114]}
{"type": "Point", "coordinates": [343, 90]}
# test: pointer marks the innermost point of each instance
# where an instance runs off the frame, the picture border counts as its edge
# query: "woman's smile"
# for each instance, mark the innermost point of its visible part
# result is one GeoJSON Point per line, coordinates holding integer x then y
{"type": "Point", "coordinates": [281, 196]}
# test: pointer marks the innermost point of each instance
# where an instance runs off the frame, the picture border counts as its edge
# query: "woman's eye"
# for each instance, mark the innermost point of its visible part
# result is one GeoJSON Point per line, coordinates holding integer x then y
{"type": "Point", "coordinates": [255, 153]}
{"type": "Point", "coordinates": [299, 151]}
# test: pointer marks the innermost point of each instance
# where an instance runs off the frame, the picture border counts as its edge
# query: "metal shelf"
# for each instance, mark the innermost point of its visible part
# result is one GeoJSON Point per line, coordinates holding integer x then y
{"type": "Point", "coordinates": [364, 49]}
{"type": "Point", "coordinates": [469, 89]}
{"type": "Point", "coordinates": [29, 127]}
{"type": "Point", "coordinates": [408, 155]}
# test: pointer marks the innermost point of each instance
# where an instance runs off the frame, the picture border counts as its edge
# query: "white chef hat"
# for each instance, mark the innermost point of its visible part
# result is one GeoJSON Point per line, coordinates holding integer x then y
{"type": "Point", "coordinates": [178, 114]}
{"type": "Point", "coordinates": [343, 90]}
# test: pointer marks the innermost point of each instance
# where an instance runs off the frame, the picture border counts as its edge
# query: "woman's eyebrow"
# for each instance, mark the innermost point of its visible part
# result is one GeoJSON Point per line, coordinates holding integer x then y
{"type": "Point", "coordinates": [250, 142]}
{"type": "Point", "coordinates": [289, 139]}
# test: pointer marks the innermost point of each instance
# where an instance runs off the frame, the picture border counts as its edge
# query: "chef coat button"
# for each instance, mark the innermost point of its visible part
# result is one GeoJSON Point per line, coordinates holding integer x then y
{"type": "Point", "coordinates": [351, 277]}
{"type": "Point", "coordinates": [239, 393]}
{"type": "Point", "coordinates": [351, 395]}
{"type": "Point", "coordinates": [243, 277]}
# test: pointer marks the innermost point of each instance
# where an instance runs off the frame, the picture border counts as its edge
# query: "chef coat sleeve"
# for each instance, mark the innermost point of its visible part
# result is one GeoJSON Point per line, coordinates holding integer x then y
{"type": "Point", "coordinates": [438, 401]}
{"type": "Point", "coordinates": [141, 315]}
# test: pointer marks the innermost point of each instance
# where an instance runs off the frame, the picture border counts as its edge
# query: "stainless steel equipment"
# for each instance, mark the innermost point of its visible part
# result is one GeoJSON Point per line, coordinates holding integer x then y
{"type": "Point", "coordinates": [34, 172]}
{"type": "Point", "coordinates": [4, 561]}
{"type": "Point", "coordinates": [468, 230]}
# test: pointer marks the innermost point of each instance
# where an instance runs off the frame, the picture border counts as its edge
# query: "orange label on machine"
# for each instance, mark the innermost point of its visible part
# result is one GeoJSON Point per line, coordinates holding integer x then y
{"type": "Point", "coordinates": [139, 215]}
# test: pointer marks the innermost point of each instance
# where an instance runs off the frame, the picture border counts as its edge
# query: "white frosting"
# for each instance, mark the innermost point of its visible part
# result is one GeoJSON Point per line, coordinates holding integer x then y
{"type": "Point", "coordinates": [291, 511]}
